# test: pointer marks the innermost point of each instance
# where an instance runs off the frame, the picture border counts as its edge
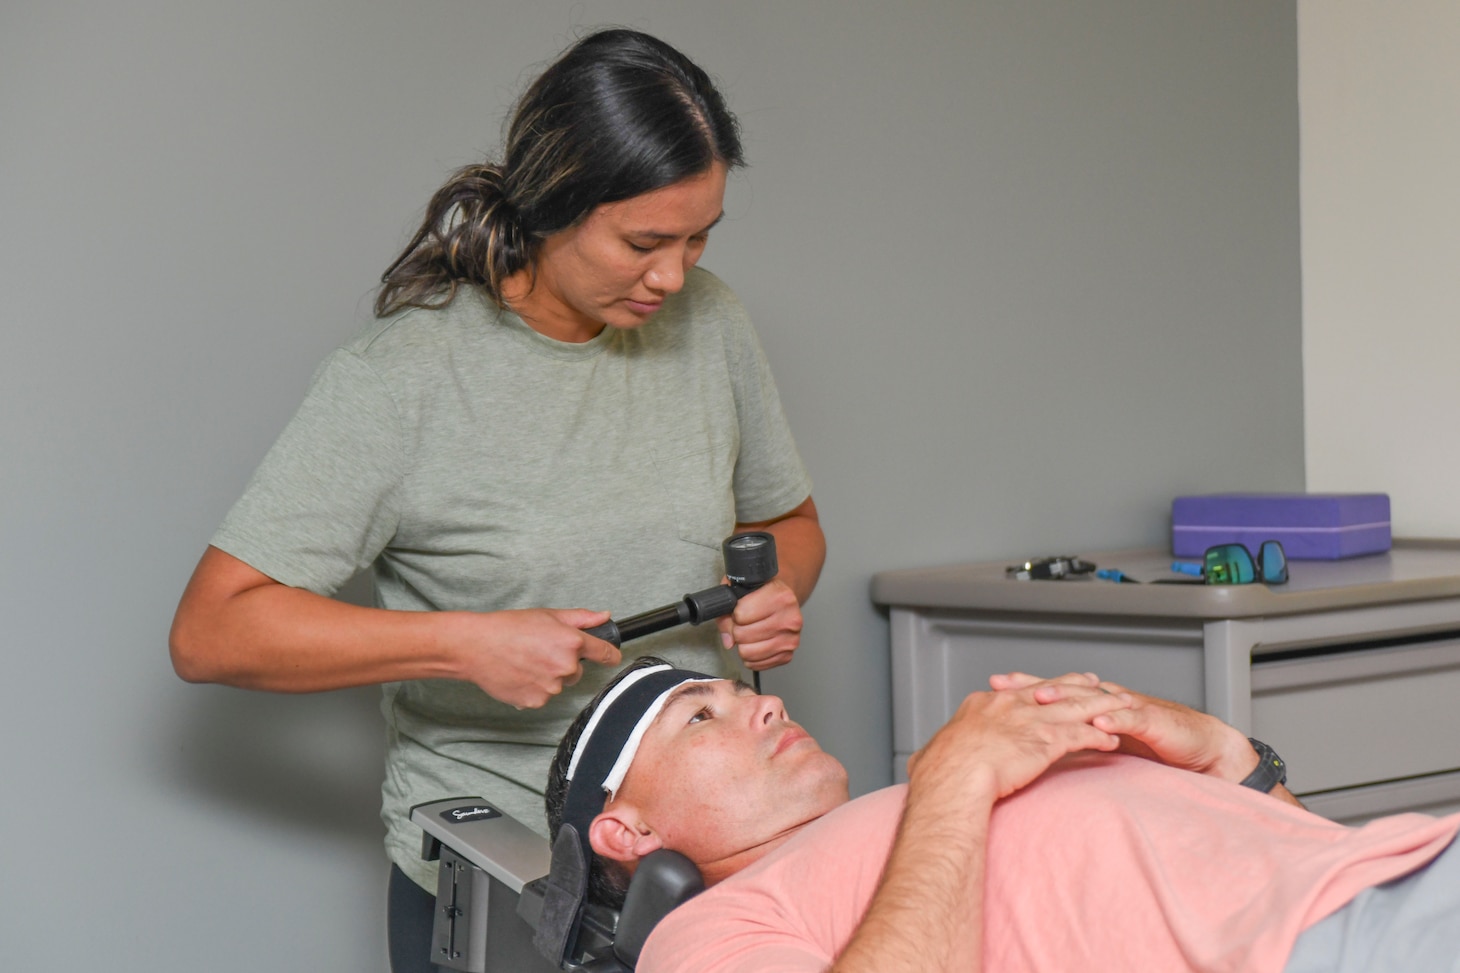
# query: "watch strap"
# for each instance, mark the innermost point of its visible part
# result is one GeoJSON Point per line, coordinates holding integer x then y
{"type": "Point", "coordinates": [1270, 770]}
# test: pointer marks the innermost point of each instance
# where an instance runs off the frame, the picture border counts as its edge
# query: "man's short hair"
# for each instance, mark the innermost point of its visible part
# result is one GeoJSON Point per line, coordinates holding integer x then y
{"type": "Point", "coordinates": [607, 879]}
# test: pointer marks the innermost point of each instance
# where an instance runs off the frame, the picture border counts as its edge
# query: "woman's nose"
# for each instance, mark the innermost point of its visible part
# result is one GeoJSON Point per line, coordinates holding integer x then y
{"type": "Point", "coordinates": [666, 276]}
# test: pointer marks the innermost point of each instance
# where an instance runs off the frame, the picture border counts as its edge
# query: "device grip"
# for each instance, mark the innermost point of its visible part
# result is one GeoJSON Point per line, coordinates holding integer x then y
{"type": "Point", "coordinates": [711, 603]}
{"type": "Point", "coordinates": [608, 631]}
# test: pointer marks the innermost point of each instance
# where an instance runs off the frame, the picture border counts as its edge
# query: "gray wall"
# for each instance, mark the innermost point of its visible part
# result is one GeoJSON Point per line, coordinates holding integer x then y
{"type": "Point", "coordinates": [1024, 270]}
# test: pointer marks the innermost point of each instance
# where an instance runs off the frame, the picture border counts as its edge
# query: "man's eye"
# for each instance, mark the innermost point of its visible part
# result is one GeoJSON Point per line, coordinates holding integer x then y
{"type": "Point", "coordinates": [638, 249]}
{"type": "Point", "coordinates": [702, 714]}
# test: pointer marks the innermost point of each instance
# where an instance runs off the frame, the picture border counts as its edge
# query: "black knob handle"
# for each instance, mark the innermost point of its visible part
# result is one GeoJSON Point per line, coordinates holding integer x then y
{"type": "Point", "coordinates": [750, 558]}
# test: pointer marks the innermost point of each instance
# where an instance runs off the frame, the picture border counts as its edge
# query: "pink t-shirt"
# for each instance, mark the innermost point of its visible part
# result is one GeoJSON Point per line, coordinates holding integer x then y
{"type": "Point", "coordinates": [1107, 862]}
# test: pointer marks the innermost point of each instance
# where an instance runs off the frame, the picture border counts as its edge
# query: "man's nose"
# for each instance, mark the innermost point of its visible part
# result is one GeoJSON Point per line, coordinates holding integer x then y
{"type": "Point", "coordinates": [769, 709]}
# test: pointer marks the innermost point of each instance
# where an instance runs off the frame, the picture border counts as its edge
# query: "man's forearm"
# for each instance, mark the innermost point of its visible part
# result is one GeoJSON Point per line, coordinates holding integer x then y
{"type": "Point", "coordinates": [1283, 794]}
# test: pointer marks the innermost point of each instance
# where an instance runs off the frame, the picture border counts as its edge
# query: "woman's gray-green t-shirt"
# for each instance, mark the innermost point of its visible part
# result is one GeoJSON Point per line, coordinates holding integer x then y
{"type": "Point", "coordinates": [477, 465]}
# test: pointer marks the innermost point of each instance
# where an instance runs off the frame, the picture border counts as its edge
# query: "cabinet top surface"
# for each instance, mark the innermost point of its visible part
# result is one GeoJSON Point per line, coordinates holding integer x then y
{"type": "Point", "coordinates": [1415, 570]}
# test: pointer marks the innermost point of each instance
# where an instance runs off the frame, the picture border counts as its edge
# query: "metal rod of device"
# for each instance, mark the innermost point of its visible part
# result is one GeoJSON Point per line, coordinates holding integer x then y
{"type": "Point", "coordinates": [649, 622]}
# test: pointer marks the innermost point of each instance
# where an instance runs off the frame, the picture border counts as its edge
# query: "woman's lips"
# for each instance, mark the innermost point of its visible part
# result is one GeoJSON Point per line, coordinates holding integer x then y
{"type": "Point", "coordinates": [641, 307]}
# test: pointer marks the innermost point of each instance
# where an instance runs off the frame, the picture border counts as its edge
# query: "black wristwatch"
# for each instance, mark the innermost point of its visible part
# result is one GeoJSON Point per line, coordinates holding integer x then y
{"type": "Point", "coordinates": [1270, 770]}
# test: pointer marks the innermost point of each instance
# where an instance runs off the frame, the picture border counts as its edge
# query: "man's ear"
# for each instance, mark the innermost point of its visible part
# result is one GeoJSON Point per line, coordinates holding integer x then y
{"type": "Point", "coordinates": [620, 835]}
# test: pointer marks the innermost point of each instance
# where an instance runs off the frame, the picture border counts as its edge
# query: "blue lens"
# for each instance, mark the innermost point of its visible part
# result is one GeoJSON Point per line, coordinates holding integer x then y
{"type": "Point", "coordinates": [1274, 562]}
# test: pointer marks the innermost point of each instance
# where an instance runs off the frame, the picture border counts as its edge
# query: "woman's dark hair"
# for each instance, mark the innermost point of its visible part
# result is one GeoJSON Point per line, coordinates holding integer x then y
{"type": "Point", "coordinates": [607, 880]}
{"type": "Point", "coordinates": [620, 113]}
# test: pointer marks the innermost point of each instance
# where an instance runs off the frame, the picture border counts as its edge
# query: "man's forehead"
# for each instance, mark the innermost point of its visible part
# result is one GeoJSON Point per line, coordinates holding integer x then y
{"type": "Point", "coordinates": [694, 691]}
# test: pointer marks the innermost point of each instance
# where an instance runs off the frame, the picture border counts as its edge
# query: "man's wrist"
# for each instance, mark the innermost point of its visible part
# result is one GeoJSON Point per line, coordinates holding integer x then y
{"type": "Point", "coordinates": [1238, 758]}
{"type": "Point", "coordinates": [950, 794]}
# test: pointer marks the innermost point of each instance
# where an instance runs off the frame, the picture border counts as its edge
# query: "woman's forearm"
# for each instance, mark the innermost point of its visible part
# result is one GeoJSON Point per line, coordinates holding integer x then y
{"type": "Point", "coordinates": [239, 627]}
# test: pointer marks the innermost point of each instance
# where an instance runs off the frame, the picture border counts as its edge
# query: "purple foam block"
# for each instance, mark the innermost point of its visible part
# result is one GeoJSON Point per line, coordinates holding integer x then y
{"type": "Point", "coordinates": [1311, 526]}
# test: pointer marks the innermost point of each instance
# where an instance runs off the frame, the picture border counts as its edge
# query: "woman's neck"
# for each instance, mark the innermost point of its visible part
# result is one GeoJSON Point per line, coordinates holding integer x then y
{"type": "Point", "coordinates": [534, 301]}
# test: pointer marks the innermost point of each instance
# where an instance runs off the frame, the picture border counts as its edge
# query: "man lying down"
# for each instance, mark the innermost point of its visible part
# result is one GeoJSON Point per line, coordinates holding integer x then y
{"type": "Point", "coordinates": [1023, 841]}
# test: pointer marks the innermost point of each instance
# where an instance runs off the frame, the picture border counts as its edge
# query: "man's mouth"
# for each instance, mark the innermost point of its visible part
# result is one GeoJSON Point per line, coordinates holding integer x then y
{"type": "Point", "coordinates": [789, 739]}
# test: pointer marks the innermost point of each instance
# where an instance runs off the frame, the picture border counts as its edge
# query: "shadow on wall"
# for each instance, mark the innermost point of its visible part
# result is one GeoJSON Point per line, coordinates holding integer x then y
{"type": "Point", "coordinates": [310, 762]}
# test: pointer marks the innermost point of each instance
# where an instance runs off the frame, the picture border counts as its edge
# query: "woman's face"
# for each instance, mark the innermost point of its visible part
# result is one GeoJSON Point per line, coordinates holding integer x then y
{"type": "Point", "coordinates": [618, 265]}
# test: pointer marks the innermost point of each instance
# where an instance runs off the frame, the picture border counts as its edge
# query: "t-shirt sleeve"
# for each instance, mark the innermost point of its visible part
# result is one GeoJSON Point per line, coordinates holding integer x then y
{"type": "Point", "coordinates": [793, 911]}
{"type": "Point", "coordinates": [719, 944]}
{"type": "Point", "coordinates": [770, 477]}
{"type": "Point", "coordinates": [321, 505]}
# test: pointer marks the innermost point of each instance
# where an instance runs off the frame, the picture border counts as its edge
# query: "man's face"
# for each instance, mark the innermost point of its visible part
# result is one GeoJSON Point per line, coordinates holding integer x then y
{"type": "Point", "coordinates": [723, 772]}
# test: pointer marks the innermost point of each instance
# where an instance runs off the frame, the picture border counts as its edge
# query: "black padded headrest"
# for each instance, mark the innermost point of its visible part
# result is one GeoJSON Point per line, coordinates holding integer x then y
{"type": "Point", "coordinates": [663, 881]}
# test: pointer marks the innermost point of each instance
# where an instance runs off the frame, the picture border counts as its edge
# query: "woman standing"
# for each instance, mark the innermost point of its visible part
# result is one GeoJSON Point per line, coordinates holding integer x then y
{"type": "Point", "coordinates": [554, 407]}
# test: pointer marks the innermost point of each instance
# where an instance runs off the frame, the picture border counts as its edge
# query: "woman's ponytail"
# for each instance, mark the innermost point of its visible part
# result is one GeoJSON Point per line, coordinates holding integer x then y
{"type": "Point", "coordinates": [472, 233]}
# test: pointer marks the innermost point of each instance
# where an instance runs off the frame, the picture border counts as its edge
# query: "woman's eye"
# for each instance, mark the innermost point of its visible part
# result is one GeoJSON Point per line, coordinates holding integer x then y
{"type": "Point", "coordinates": [638, 249]}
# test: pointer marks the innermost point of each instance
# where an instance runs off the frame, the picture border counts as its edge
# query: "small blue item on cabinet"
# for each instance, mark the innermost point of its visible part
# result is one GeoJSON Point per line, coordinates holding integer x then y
{"type": "Point", "coordinates": [1311, 526]}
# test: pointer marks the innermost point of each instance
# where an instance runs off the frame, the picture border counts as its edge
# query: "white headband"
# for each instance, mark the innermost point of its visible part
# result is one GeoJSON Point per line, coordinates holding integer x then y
{"type": "Point", "coordinates": [615, 777]}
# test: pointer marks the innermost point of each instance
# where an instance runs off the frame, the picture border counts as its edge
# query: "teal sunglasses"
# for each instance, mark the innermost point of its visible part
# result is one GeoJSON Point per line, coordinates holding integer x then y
{"type": "Point", "coordinates": [1234, 564]}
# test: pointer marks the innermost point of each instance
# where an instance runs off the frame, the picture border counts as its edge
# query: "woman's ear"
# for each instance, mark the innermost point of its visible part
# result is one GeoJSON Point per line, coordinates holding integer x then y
{"type": "Point", "coordinates": [621, 835]}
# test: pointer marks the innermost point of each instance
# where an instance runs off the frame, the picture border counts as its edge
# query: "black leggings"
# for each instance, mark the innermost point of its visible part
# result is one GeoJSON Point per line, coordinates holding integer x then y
{"type": "Point", "coordinates": [410, 910]}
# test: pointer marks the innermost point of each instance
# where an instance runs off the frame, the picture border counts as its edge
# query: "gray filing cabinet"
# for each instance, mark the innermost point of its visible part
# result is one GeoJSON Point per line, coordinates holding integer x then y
{"type": "Point", "coordinates": [1351, 670]}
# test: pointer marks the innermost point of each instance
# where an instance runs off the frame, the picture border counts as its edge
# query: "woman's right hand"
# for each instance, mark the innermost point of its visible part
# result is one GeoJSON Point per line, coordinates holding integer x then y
{"type": "Point", "coordinates": [525, 657]}
{"type": "Point", "coordinates": [239, 627]}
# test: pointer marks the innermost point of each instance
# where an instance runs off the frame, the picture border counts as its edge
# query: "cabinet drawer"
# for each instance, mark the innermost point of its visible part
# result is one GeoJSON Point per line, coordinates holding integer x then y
{"type": "Point", "coordinates": [1346, 718]}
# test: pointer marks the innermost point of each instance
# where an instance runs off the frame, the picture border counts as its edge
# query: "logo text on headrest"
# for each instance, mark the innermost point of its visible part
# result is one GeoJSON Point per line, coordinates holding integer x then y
{"type": "Point", "coordinates": [470, 812]}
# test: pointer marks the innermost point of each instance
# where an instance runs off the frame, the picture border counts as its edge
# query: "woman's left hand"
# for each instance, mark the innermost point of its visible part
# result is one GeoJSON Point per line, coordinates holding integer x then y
{"type": "Point", "coordinates": [766, 625]}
